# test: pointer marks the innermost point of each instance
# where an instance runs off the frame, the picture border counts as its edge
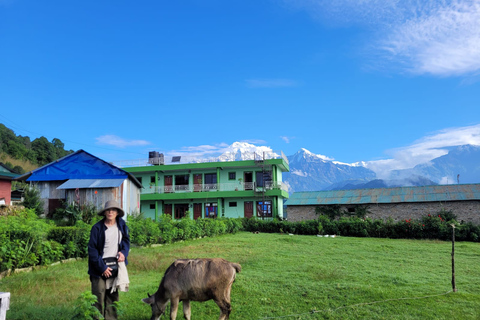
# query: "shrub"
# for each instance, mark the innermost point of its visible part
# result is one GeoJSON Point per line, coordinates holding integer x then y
{"type": "Point", "coordinates": [69, 214]}
{"type": "Point", "coordinates": [143, 231]}
{"type": "Point", "coordinates": [49, 252]}
{"type": "Point", "coordinates": [353, 226]}
{"type": "Point", "coordinates": [307, 227]}
{"type": "Point", "coordinates": [73, 239]}
{"type": "Point", "coordinates": [331, 212]}
{"type": "Point", "coordinates": [84, 307]}
{"type": "Point", "coordinates": [32, 200]}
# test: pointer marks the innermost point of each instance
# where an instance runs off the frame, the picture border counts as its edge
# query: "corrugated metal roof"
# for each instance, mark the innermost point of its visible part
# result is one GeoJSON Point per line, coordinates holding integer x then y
{"type": "Point", "coordinates": [387, 195]}
{"type": "Point", "coordinates": [91, 183]}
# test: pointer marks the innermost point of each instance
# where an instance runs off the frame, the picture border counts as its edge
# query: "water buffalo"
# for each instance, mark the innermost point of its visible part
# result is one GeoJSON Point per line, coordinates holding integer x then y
{"type": "Point", "coordinates": [196, 280]}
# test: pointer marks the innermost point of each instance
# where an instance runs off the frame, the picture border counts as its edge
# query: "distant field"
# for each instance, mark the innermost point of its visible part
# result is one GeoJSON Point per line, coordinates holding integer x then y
{"type": "Point", "coordinates": [284, 277]}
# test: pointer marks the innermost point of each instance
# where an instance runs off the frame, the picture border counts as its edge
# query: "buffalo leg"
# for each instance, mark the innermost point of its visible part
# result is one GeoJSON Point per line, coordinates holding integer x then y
{"type": "Point", "coordinates": [186, 309]}
{"type": "Point", "coordinates": [173, 308]}
{"type": "Point", "coordinates": [225, 309]}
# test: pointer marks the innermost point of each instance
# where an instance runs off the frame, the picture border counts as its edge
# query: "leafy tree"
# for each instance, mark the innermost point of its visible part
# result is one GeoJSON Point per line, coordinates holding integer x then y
{"type": "Point", "coordinates": [18, 169]}
{"type": "Point", "coordinates": [5, 136]}
{"type": "Point", "coordinates": [40, 151]}
{"type": "Point", "coordinates": [44, 150]}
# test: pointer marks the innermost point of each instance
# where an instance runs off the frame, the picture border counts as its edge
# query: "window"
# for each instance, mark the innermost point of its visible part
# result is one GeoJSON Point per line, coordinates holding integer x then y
{"type": "Point", "coordinates": [351, 210]}
{"type": "Point", "coordinates": [152, 205]}
{"type": "Point", "coordinates": [181, 182]}
{"type": "Point", "coordinates": [263, 179]}
{"type": "Point", "coordinates": [232, 204]}
{"type": "Point", "coordinates": [210, 178]}
{"type": "Point", "coordinates": [181, 179]}
{"type": "Point", "coordinates": [152, 179]}
{"type": "Point", "coordinates": [264, 209]}
{"type": "Point", "coordinates": [139, 179]}
{"type": "Point", "coordinates": [211, 210]}
{"type": "Point", "coordinates": [232, 175]}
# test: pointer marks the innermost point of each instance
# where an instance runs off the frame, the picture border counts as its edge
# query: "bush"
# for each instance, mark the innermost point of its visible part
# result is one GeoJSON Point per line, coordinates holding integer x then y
{"type": "Point", "coordinates": [143, 231]}
{"type": "Point", "coordinates": [73, 239]}
{"type": "Point", "coordinates": [428, 227]}
{"type": "Point", "coordinates": [32, 200]}
{"type": "Point", "coordinates": [73, 212]}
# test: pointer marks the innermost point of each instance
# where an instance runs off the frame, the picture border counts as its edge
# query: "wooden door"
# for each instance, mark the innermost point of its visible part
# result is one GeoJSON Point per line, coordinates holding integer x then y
{"type": "Point", "coordinates": [168, 184]}
{"type": "Point", "coordinates": [167, 209]}
{"type": "Point", "coordinates": [197, 182]}
{"type": "Point", "coordinates": [180, 210]}
{"type": "Point", "coordinates": [197, 210]}
{"type": "Point", "coordinates": [248, 209]}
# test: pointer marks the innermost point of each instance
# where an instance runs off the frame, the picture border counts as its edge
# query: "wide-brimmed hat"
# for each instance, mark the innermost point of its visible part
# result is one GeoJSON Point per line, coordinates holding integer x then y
{"type": "Point", "coordinates": [112, 204]}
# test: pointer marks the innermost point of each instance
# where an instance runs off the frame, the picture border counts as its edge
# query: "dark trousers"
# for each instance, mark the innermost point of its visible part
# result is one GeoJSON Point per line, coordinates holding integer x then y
{"type": "Point", "coordinates": [105, 299]}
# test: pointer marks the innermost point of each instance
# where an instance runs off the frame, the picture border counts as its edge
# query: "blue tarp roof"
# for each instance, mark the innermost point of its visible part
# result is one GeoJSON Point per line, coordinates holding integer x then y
{"type": "Point", "coordinates": [78, 165]}
{"type": "Point", "coordinates": [452, 192]}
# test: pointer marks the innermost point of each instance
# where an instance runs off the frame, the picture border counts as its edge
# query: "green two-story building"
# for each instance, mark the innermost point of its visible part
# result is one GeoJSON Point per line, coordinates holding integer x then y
{"type": "Point", "coordinates": [211, 188]}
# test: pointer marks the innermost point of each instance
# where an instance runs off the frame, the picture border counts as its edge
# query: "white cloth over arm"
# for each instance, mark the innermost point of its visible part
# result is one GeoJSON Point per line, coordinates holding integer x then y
{"type": "Point", "coordinates": [121, 282]}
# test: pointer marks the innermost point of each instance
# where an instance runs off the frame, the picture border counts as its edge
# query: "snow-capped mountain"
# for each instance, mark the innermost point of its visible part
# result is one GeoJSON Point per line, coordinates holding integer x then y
{"type": "Point", "coordinates": [460, 165]}
{"type": "Point", "coordinates": [313, 172]}
{"type": "Point", "coordinates": [245, 151]}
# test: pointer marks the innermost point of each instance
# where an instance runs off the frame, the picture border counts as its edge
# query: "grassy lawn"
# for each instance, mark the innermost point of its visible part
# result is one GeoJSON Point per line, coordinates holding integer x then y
{"type": "Point", "coordinates": [302, 277]}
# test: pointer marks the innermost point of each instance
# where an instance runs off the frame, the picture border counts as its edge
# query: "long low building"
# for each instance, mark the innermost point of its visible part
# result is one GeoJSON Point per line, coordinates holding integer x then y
{"type": "Point", "coordinates": [463, 200]}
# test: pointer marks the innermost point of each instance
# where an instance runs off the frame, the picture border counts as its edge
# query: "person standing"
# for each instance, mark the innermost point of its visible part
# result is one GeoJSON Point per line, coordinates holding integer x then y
{"type": "Point", "coordinates": [108, 238]}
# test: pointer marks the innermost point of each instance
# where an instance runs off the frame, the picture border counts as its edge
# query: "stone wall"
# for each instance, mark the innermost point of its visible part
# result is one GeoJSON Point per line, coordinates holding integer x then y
{"type": "Point", "coordinates": [466, 211]}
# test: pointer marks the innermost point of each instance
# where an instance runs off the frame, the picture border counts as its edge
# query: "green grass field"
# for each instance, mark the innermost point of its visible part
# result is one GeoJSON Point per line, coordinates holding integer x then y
{"type": "Point", "coordinates": [284, 277]}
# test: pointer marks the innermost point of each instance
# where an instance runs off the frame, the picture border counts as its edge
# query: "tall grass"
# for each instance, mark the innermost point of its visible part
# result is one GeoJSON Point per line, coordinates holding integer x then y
{"type": "Point", "coordinates": [304, 277]}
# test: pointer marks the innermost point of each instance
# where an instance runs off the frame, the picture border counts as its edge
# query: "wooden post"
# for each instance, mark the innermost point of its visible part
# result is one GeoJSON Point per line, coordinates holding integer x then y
{"type": "Point", "coordinates": [454, 289]}
{"type": "Point", "coordinates": [4, 304]}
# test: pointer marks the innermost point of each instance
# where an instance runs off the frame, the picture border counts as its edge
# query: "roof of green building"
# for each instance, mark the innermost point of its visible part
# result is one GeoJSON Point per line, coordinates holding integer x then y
{"type": "Point", "coordinates": [451, 192]}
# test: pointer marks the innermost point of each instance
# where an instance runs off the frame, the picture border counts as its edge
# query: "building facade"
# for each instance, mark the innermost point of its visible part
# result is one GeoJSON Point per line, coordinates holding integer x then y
{"type": "Point", "coordinates": [213, 188]}
{"type": "Point", "coordinates": [399, 203]}
{"type": "Point", "coordinates": [6, 176]}
{"type": "Point", "coordinates": [85, 179]}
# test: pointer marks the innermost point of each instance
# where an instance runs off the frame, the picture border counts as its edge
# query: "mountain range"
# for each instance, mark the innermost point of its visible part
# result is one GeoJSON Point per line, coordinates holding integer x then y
{"type": "Point", "coordinates": [312, 172]}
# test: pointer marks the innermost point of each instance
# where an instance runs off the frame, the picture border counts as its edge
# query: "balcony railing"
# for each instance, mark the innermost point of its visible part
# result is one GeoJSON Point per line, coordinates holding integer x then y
{"type": "Point", "coordinates": [232, 186]}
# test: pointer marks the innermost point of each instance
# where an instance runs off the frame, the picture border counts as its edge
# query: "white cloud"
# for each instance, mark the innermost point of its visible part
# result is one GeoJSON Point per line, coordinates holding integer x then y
{"type": "Point", "coordinates": [299, 173]}
{"type": "Point", "coordinates": [442, 41]}
{"type": "Point", "coordinates": [120, 142]}
{"type": "Point", "coordinates": [438, 37]}
{"type": "Point", "coordinates": [270, 83]}
{"type": "Point", "coordinates": [426, 149]}
{"type": "Point", "coordinates": [254, 141]}
{"type": "Point", "coordinates": [202, 151]}
{"type": "Point", "coordinates": [286, 139]}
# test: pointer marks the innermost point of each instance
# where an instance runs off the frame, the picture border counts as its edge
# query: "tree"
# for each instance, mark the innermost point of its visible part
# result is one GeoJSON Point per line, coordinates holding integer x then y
{"type": "Point", "coordinates": [44, 150]}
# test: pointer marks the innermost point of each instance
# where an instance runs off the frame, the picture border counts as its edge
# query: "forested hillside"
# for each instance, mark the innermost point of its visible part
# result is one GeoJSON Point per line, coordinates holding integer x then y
{"type": "Point", "coordinates": [37, 152]}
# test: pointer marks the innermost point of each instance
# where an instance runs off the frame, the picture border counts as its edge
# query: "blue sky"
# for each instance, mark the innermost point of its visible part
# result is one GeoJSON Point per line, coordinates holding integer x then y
{"type": "Point", "coordinates": [393, 82]}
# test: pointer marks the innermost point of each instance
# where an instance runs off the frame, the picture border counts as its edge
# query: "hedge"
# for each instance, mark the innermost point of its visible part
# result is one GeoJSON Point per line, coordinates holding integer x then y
{"type": "Point", "coordinates": [27, 240]}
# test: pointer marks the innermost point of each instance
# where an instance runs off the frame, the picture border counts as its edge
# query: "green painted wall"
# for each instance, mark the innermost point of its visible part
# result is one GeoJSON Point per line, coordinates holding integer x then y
{"type": "Point", "coordinates": [153, 201]}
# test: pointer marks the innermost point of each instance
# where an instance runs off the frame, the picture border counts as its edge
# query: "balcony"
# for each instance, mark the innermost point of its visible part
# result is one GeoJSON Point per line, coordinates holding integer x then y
{"type": "Point", "coordinates": [231, 186]}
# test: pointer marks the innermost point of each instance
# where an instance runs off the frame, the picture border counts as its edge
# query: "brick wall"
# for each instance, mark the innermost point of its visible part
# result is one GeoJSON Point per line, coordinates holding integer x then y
{"type": "Point", "coordinates": [6, 190]}
{"type": "Point", "coordinates": [467, 211]}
